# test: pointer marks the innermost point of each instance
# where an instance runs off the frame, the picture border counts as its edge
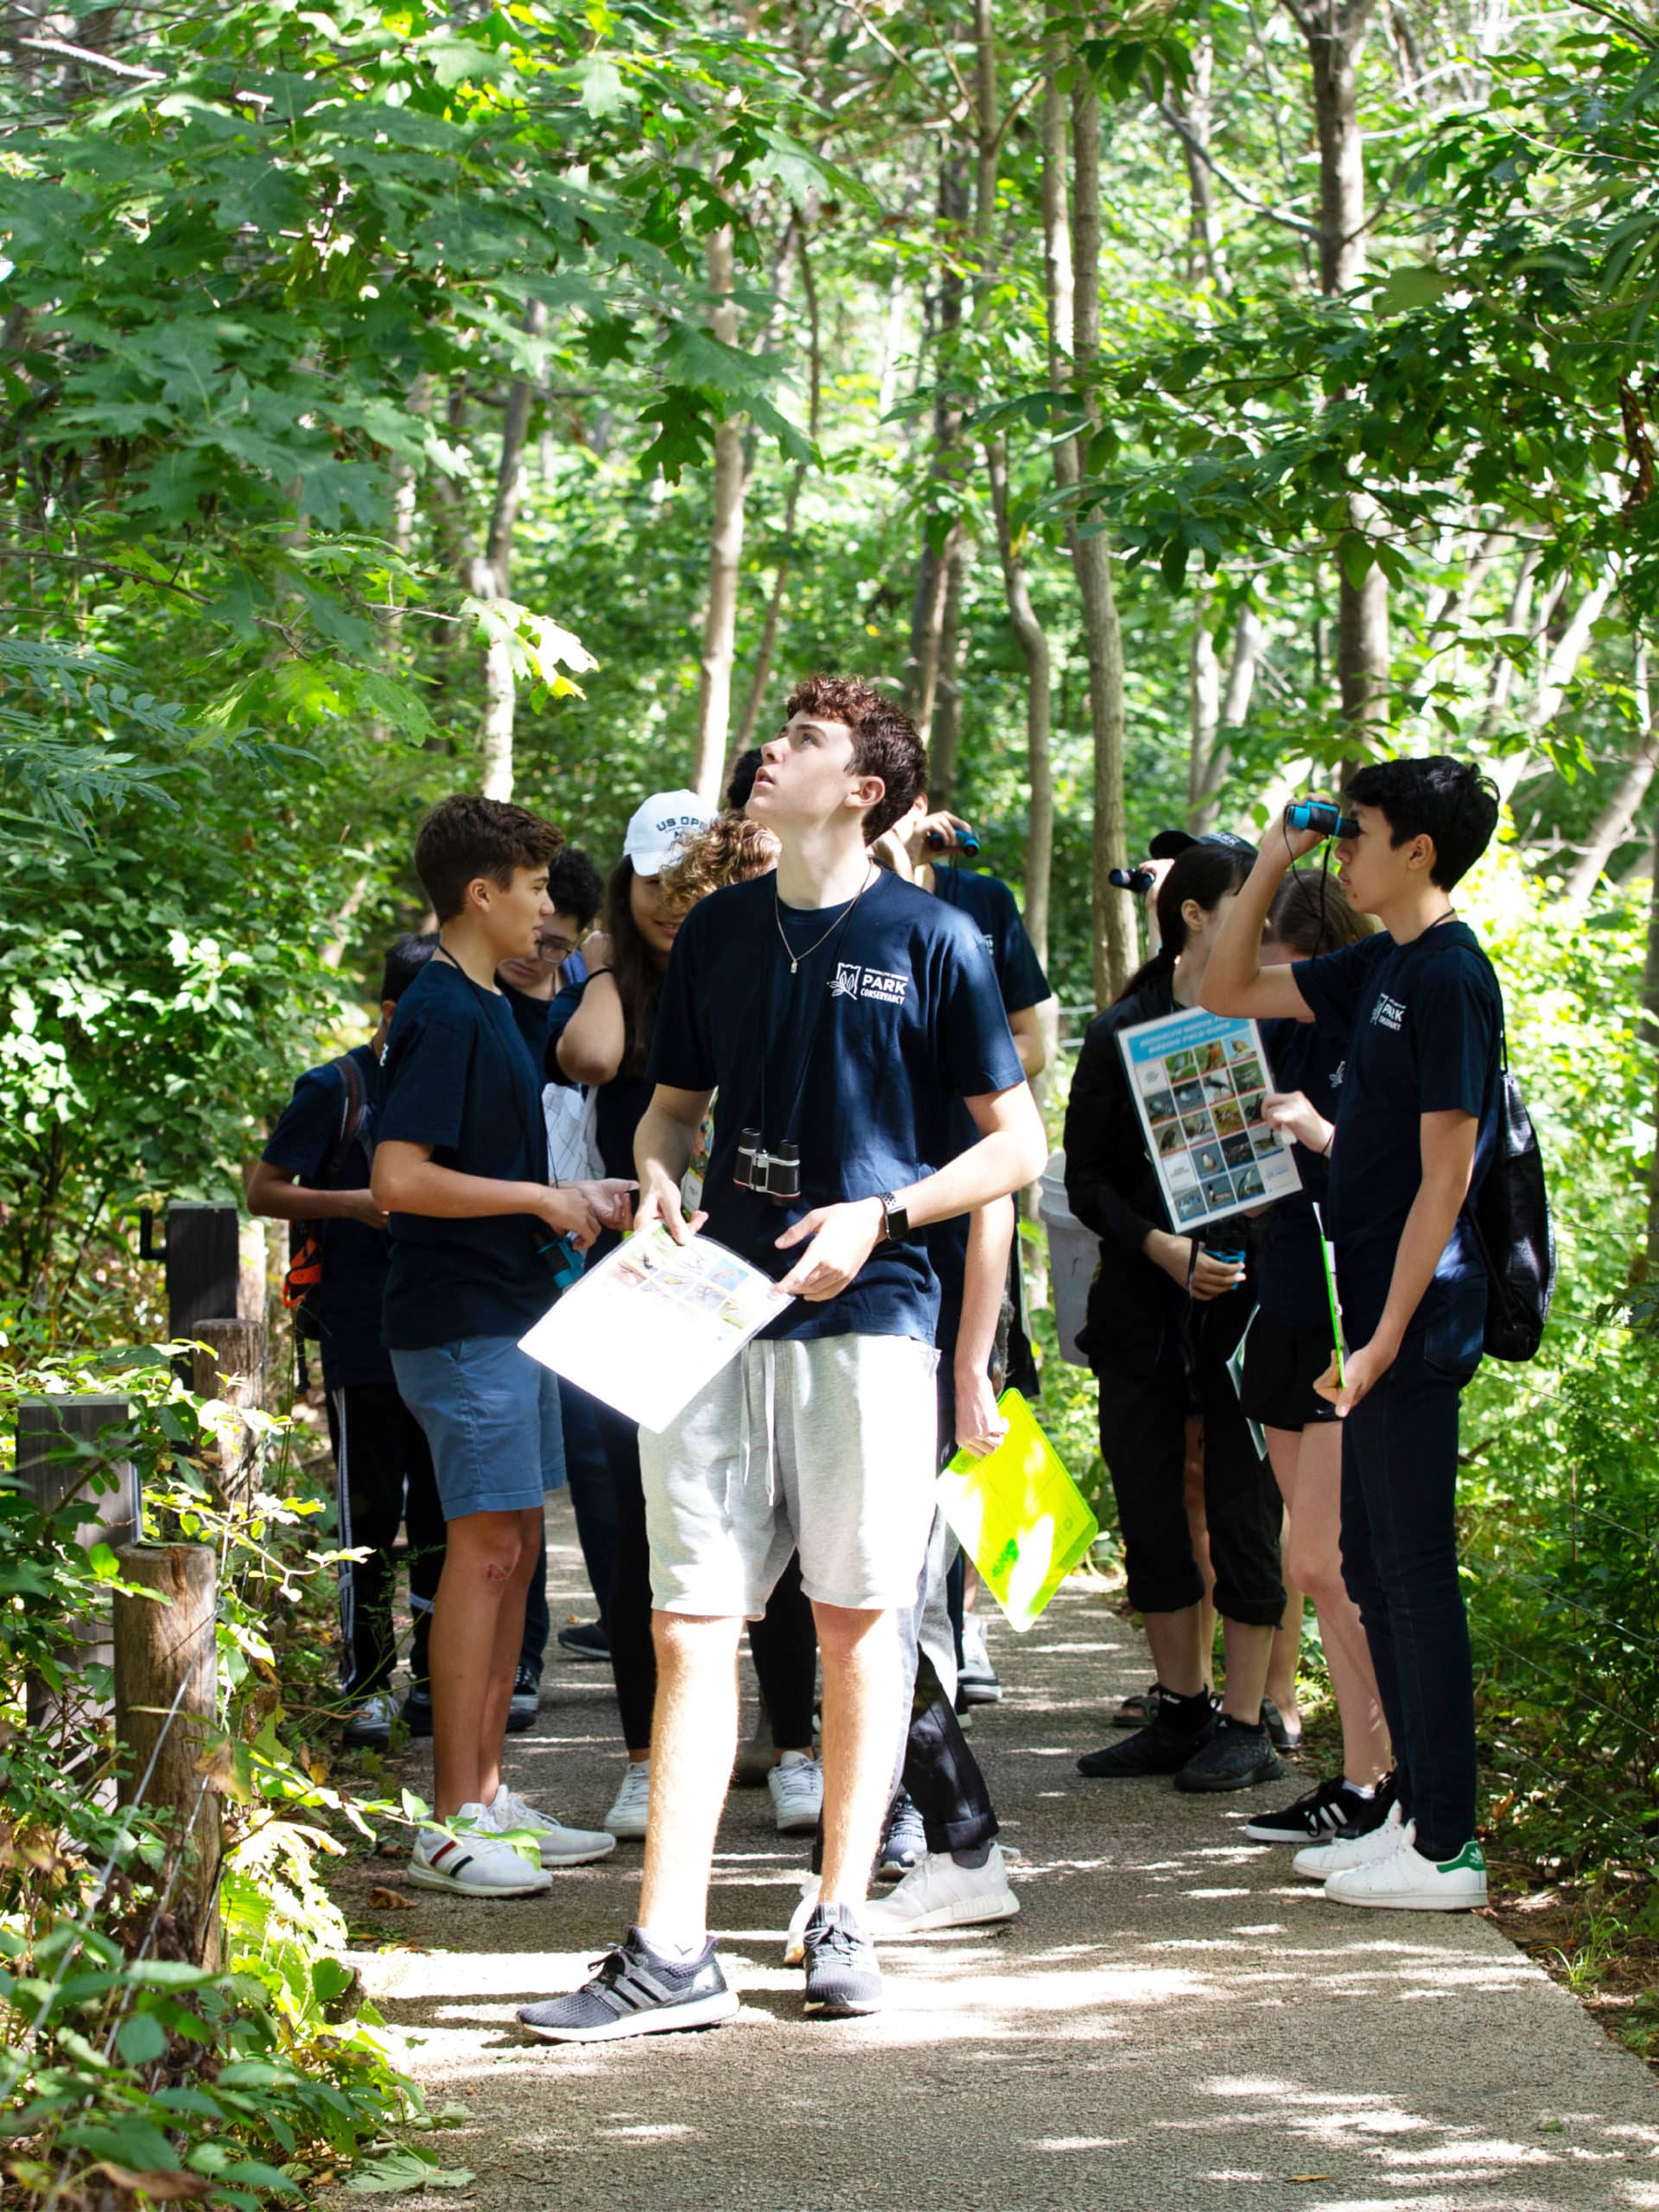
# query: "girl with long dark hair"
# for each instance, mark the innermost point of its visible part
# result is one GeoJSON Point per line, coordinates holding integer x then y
{"type": "Point", "coordinates": [1164, 1318]}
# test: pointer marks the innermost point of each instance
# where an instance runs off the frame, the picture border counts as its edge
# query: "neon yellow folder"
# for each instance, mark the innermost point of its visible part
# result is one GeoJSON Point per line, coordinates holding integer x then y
{"type": "Point", "coordinates": [1018, 1514]}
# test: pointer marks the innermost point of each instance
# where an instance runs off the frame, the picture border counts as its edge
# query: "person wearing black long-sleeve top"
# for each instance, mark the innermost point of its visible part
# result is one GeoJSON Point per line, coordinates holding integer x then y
{"type": "Point", "coordinates": [1165, 1317]}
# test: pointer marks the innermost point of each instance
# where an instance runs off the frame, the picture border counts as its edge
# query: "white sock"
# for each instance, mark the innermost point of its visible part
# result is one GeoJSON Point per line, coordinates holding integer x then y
{"type": "Point", "coordinates": [1359, 1788]}
{"type": "Point", "coordinates": [665, 1949]}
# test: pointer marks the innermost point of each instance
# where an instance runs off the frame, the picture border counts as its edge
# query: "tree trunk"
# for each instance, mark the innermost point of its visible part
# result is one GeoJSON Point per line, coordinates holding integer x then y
{"type": "Point", "coordinates": [947, 694]}
{"type": "Point", "coordinates": [1559, 664]}
{"type": "Point", "coordinates": [928, 609]}
{"type": "Point", "coordinates": [1194, 107]}
{"type": "Point", "coordinates": [725, 550]}
{"type": "Point", "coordinates": [1204, 706]}
{"type": "Point", "coordinates": [489, 575]}
{"type": "Point", "coordinates": [1335, 35]}
{"type": "Point", "coordinates": [1113, 930]}
{"type": "Point", "coordinates": [1650, 1007]}
{"type": "Point", "coordinates": [1613, 822]}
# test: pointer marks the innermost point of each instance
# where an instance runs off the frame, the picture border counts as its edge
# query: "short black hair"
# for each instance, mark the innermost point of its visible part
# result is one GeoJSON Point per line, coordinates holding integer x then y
{"type": "Point", "coordinates": [575, 884]}
{"type": "Point", "coordinates": [1439, 797]}
{"type": "Point", "coordinates": [468, 836]}
{"type": "Point", "coordinates": [405, 957]}
{"type": "Point", "coordinates": [741, 783]}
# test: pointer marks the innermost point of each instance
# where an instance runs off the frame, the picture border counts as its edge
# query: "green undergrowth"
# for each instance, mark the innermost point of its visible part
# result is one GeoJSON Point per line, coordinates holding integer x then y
{"type": "Point", "coordinates": [130, 2074]}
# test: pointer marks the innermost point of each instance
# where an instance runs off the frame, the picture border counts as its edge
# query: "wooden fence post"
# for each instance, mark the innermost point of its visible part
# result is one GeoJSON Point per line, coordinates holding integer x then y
{"type": "Point", "coordinates": [166, 1700]}
{"type": "Point", "coordinates": [229, 1363]}
{"type": "Point", "coordinates": [107, 1494]}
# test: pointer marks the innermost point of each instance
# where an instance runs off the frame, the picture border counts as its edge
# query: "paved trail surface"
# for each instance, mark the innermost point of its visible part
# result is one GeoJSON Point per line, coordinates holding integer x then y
{"type": "Point", "coordinates": [1172, 2022]}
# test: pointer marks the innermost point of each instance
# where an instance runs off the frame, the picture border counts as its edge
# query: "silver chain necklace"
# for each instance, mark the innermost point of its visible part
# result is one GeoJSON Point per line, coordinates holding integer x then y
{"type": "Point", "coordinates": [796, 959]}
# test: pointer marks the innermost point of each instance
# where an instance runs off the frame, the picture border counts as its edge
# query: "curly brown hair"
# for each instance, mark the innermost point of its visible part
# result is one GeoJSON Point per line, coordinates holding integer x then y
{"type": "Point", "coordinates": [730, 850]}
{"type": "Point", "coordinates": [885, 742]}
{"type": "Point", "coordinates": [468, 836]}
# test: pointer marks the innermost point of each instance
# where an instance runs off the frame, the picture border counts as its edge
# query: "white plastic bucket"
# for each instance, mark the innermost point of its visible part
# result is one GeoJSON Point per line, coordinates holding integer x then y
{"type": "Point", "coordinates": [1073, 1257]}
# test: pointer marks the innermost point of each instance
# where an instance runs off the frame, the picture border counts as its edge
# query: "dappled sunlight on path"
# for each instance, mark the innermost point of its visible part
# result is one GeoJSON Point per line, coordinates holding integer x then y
{"type": "Point", "coordinates": [1172, 2021]}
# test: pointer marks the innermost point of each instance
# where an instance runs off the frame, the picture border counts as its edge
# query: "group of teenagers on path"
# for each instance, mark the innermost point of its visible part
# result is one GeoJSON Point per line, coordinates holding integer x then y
{"type": "Point", "coordinates": [795, 968]}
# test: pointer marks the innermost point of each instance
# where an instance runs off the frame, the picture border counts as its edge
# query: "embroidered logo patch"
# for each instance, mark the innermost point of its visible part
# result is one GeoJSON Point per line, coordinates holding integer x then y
{"type": "Point", "coordinates": [852, 982]}
{"type": "Point", "coordinates": [1390, 1011]}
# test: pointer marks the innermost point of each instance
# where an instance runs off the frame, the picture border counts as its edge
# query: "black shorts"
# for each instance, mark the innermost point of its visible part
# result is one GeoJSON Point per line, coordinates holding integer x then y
{"type": "Point", "coordinates": [1281, 1365]}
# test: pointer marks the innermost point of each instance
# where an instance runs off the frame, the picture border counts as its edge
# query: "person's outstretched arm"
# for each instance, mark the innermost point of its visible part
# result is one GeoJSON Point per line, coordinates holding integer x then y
{"type": "Point", "coordinates": [664, 1145]}
{"type": "Point", "coordinates": [990, 1239]}
{"type": "Point", "coordinates": [1236, 982]}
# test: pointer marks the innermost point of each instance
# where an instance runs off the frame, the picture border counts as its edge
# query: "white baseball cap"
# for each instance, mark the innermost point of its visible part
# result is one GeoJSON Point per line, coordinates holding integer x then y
{"type": "Point", "coordinates": [661, 826]}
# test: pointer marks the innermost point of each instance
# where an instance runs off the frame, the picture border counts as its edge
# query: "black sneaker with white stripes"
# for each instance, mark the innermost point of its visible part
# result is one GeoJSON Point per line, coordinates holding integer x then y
{"type": "Point", "coordinates": [637, 1991]}
{"type": "Point", "coordinates": [1331, 1810]}
{"type": "Point", "coordinates": [842, 1979]}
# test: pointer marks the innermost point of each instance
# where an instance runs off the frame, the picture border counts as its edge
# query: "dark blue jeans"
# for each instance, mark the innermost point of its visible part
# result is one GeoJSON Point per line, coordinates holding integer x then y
{"type": "Point", "coordinates": [1399, 1554]}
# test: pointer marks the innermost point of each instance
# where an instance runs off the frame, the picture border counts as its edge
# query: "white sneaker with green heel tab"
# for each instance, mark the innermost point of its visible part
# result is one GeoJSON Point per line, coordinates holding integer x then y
{"type": "Point", "coordinates": [1406, 1882]}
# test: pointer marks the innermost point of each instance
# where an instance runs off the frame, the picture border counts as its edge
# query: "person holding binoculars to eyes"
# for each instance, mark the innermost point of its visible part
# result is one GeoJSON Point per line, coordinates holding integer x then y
{"type": "Point", "coordinates": [841, 1011]}
{"type": "Point", "coordinates": [1165, 1316]}
{"type": "Point", "coordinates": [1422, 1016]}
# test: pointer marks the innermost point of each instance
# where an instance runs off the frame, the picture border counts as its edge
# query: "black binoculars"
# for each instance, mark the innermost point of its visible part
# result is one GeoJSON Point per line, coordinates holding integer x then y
{"type": "Point", "coordinates": [1319, 814]}
{"type": "Point", "coordinates": [1137, 880]}
{"type": "Point", "coordinates": [775, 1175]}
{"type": "Point", "coordinates": [935, 840]}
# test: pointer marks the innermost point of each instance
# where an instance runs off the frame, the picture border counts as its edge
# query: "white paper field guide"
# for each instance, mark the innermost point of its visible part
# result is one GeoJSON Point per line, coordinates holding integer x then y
{"type": "Point", "coordinates": [1199, 1081]}
{"type": "Point", "coordinates": [654, 1321]}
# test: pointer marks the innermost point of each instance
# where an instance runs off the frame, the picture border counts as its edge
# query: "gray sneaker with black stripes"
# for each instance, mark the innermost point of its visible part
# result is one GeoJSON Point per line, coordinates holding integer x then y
{"type": "Point", "coordinates": [637, 1991]}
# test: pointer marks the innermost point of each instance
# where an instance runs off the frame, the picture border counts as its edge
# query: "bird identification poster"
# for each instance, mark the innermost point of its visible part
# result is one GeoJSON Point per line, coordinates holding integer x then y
{"type": "Point", "coordinates": [654, 1321]}
{"type": "Point", "coordinates": [1199, 1081]}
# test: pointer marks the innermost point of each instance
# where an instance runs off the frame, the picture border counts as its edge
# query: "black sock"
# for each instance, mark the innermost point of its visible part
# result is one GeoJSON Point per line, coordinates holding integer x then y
{"type": "Point", "coordinates": [1187, 1715]}
{"type": "Point", "coordinates": [978, 1855]}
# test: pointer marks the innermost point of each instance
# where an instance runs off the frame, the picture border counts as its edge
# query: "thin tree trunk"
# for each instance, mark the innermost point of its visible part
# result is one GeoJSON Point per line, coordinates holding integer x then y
{"type": "Point", "coordinates": [946, 735]}
{"type": "Point", "coordinates": [762, 676]}
{"type": "Point", "coordinates": [1203, 705]}
{"type": "Point", "coordinates": [1113, 928]}
{"type": "Point", "coordinates": [489, 576]}
{"type": "Point", "coordinates": [725, 549]}
{"type": "Point", "coordinates": [1613, 823]}
{"type": "Point", "coordinates": [1335, 35]}
{"type": "Point", "coordinates": [928, 608]}
{"type": "Point", "coordinates": [1650, 1007]}
{"type": "Point", "coordinates": [1194, 106]}
{"type": "Point", "coordinates": [1560, 665]}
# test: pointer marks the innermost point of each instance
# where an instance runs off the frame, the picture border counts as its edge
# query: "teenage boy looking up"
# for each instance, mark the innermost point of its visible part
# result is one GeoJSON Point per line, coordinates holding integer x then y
{"type": "Point", "coordinates": [1423, 1016]}
{"type": "Point", "coordinates": [462, 1168]}
{"type": "Point", "coordinates": [382, 1468]}
{"type": "Point", "coordinates": [839, 1009]}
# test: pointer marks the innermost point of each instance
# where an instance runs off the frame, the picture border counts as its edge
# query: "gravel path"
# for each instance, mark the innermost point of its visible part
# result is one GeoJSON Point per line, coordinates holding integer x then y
{"type": "Point", "coordinates": [1173, 2020]}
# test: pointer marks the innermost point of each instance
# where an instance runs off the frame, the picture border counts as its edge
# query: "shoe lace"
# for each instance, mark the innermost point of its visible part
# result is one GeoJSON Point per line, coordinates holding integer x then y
{"type": "Point", "coordinates": [835, 1937]}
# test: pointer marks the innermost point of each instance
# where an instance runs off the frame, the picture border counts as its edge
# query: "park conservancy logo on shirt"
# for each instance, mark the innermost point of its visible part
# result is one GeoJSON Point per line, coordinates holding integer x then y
{"type": "Point", "coordinates": [1388, 1011]}
{"type": "Point", "coordinates": [850, 981]}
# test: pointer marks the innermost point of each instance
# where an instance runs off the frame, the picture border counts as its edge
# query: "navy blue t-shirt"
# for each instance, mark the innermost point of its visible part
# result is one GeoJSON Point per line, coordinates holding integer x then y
{"type": "Point", "coordinates": [892, 1018]}
{"type": "Point", "coordinates": [1422, 1023]}
{"type": "Point", "coordinates": [1289, 1276]}
{"type": "Point", "coordinates": [458, 1076]}
{"type": "Point", "coordinates": [354, 1256]}
{"type": "Point", "coordinates": [989, 906]}
{"type": "Point", "coordinates": [531, 1015]}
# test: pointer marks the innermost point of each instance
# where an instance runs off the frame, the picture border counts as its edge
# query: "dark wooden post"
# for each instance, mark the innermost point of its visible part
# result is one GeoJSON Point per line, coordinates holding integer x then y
{"type": "Point", "coordinates": [166, 1692]}
{"type": "Point", "coordinates": [203, 1265]}
{"type": "Point", "coordinates": [106, 1495]}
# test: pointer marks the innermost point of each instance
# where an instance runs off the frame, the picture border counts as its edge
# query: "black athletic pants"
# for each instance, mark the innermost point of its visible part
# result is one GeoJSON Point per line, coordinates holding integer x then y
{"type": "Point", "coordinates": [785, 1644]}
{"type": "Point", "coordinates": [383, 1467]}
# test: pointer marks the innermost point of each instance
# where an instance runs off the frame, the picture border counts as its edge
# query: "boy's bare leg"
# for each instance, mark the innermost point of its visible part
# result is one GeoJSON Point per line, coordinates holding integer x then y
{"type": "Point", "coordinates": [693, 1744]}
{"type": "Point", "coordinates": [863, 1689]}
{"type": "Point", "coordinates": [477, 1616]}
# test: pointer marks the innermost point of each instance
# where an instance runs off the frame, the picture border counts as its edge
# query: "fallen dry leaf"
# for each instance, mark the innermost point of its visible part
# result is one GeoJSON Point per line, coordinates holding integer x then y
{"type": "Point", "coordinates": [385, 1900]}
{"type": "Point", "coordinates": [170, 2187]}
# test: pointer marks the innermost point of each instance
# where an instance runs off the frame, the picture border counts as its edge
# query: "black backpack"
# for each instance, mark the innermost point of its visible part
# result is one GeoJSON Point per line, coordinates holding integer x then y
{"type": "Point", "coordinates": [1509, 1216]}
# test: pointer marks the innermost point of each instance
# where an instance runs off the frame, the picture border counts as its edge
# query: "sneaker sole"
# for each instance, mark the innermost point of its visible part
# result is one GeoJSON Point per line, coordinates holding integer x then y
{"type": "Point", "coordinates": [425, 1878]}
{"type": "Point", "coordinates": [629, 1831]}
{"type": "Point", "coordinates": [797, 1824]}
{"type": "Point", "coordinates": [1300, 1839]}
{"type": "Point", "coordinates": [702, 2012]}
{"type": "Point", "coordinates": [967, 1912]}
{"type": "Point", "coordinates": [585, 1655]}
{"type": "Point", "coordinates": [981, 1693]}
{"type": "Point", "coordinates": [1272, 1769]}
{"type": "Point", "coordinates": [1412, 1901]}
{"type": "Point", "coordinates": [840, 2008]}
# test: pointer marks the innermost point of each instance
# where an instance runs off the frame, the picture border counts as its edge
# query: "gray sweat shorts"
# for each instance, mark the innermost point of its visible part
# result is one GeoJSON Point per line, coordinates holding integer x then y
{"type": "Point", "coordinates": [823, 1445]}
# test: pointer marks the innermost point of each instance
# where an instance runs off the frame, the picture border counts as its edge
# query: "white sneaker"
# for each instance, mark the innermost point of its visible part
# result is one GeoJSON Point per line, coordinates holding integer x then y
{"type": "Point", "coordinates": [468, 1856]}
{"type": "Point", "coordinates": [795, 1940]}
{"type": "Point", "coordinates": [631, 1813]}
{"type": "Point", "coordinates": [1320, 1860]}
{"type": "Point", "coordinates": [976, 1677]}
{"type": "Point", "coordinates": [940, 1894]}
{"type": "Point", "coordinates": [797, 1787]}
{"type": "Point", "coordinates": [1406, 1882]}
{"type": "Point", "coordinates": [556, 1845]}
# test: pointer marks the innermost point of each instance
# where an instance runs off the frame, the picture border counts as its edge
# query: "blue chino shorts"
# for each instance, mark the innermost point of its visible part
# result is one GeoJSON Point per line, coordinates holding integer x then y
{"type": "Point", "coordinates": [490, 1415]}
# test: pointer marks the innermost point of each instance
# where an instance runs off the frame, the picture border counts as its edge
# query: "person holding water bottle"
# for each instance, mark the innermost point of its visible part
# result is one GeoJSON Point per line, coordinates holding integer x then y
{"type": "Point", "coordinates": [1166, 1314]}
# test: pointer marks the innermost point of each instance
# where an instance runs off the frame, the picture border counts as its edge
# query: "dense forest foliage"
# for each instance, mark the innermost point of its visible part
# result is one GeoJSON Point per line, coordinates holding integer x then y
{"type": "Point", "coordinates": [1176, 403]}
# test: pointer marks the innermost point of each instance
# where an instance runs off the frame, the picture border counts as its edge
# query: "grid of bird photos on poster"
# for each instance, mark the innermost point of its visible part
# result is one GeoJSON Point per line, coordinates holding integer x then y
{"type": "Point", "coordinates": [1199, 1081]}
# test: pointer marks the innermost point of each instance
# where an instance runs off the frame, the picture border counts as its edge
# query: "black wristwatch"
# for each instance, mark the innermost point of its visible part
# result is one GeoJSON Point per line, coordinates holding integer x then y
{"type": "Point", "coordinates": [895, 1220]}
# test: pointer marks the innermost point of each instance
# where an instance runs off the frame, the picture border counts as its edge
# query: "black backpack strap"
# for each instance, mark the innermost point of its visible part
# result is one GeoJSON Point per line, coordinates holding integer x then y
{"type": "Point", "coordinates": [353, 1113]}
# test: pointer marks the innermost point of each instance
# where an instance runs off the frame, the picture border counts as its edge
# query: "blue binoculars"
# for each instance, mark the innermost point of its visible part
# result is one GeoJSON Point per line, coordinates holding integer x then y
{"type": "Point", "coordinates": [1319, 814]}
{"type": "Point", "coordinates": [966, 841]}
{"type": "Point", "coordinates": [1137, 880]}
